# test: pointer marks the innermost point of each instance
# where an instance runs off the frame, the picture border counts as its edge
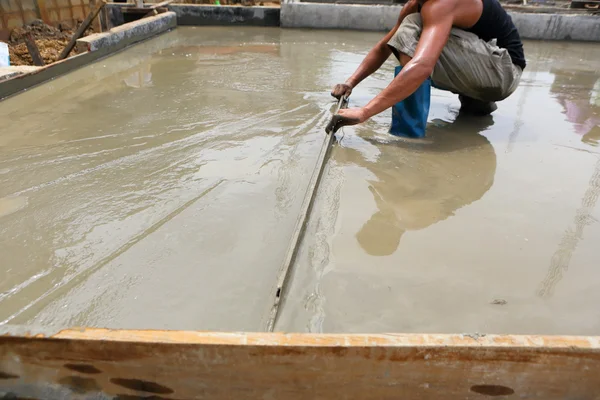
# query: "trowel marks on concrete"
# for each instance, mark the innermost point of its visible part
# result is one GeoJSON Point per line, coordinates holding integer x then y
{"type": "Point", "coordinates": [162, 184]}
{"type": "Point", "coordinates": [488, 225]}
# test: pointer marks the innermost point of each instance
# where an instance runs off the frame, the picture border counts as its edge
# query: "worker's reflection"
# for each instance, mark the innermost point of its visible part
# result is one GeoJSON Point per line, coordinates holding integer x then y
{"type": "Point", "coordinates": [417, 185]}
{"type": "Point", "coordinates": [142, 77]}
{"type": "Point", "coordinates": [578, 92]}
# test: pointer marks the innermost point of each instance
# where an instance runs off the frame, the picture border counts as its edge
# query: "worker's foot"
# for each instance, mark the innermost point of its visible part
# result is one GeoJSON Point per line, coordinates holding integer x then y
{"type": "Point", "coordinates": [472, 106]}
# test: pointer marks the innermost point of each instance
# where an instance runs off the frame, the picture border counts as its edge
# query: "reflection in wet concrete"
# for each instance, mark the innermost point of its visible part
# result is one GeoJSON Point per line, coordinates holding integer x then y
{"type": "Point", "coordinates": [142, 77]}
{"type": "Point", "coordinates": [409, 198]}
{"type": "Point", "coordinates": [455, 233]}
{"type": "Point", "coordinates": [578, 92]}
{"type": "Point", "coordinates": [414, 184]}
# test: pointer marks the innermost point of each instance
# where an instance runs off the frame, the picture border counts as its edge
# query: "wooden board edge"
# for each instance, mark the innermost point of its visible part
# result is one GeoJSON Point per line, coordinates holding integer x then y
{"type": "Point", "coordinates": [138, 364]}
{"type": "Point", "coordinates": [323, 340]}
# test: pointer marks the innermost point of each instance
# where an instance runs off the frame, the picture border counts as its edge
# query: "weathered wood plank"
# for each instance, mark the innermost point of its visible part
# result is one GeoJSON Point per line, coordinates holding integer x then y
{"type": "Point", "coordinates": [34, 51]}
{"type": "Point", "coordinates": [82, 28]}
{"type": "Point", "coordinates": [209, 365]}
{"type": "Point", "coordinates": [96, 23]}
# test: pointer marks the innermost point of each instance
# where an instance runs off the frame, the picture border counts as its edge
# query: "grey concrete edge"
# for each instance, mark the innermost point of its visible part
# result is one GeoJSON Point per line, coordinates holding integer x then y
{"type": "Point", "coordinates": [339, 16]}
{"type": "Point", "coordinates": [128, 34]}
{"type": "Point", "coordinates": [198, 15]}
{"type": "Point", "coordinates": [382, 18]}
{"type": "Point", "coordinates": [13, 86]}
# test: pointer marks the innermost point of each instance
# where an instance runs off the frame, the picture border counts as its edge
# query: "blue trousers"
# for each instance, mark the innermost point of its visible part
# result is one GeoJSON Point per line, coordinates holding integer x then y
{"type": "Point", "coordinates": [409, 117]}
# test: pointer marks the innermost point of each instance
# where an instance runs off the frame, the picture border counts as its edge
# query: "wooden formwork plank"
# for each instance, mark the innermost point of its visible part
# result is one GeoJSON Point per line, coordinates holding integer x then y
{"type": "Point", "coordinates": [96, 23]}
{"type": "Point", "coordinates": [53, 12]}
{"type": "Point", "coordinates": [21, 10]}
{"type": "Point", "coordinates": [212, 365]}
{"type": "Point", "coordinates": [12, 14]}
{"type": "Point", "coordinates": [3, 18]}
{"type": "Point", "coordinates": [81, 29]}
{"type": "Point", "coordinates": [41, 9]}
{"type": "Point", "coordinates": [17, 13]}
{"type": "Point", "coordinates": [34, 51]}
{"type": "Point", "coordinates": [71, 11]}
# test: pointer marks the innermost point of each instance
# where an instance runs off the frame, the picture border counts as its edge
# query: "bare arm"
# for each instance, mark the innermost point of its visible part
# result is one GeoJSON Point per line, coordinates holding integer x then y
{"type": "Point", "coordinates": [376, 57]}
{"type": "Point", "coordinates": [437, 23]}
{"type": "Point", "coordinates": [381, 52]}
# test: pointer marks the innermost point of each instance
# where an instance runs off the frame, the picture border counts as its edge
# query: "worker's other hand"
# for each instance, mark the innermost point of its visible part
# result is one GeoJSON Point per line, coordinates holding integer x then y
{"type": "Point", "coordinates": [341, 89]}
{"type": "Point", "coordinates": [346, 117]}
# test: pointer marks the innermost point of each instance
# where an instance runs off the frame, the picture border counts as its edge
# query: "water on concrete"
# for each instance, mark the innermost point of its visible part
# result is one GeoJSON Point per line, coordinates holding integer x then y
{"type": "Point", "coordinates": [488, 225]}
{"type": "Point", "coordinates": [159, 188]}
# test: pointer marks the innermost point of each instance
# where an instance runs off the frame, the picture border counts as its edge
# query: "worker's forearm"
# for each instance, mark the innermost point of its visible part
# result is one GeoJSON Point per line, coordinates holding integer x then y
{"type": "Point", "coordinates": [372, 62]}
{"type": "Point", "coordinates": [403, 85]}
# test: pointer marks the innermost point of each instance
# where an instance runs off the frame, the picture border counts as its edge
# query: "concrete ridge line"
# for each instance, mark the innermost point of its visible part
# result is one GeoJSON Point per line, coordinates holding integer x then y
{"type": "Point", "coordinates": [301, 223]}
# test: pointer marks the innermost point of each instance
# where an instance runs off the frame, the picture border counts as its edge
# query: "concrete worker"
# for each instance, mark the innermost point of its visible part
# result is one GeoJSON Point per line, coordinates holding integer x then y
{"type": "Point", "coordinates": [468, 47]}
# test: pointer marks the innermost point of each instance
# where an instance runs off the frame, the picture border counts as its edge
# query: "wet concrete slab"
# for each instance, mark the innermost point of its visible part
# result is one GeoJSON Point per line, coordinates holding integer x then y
{"type": "Point", "coordinates": [488, 225]}
{"type": "Point", "coordinates": [159, 188]}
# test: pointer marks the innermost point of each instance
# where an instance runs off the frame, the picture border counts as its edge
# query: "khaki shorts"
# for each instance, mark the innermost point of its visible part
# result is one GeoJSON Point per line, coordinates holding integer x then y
{"type": "Point", "coordinates": [468, 65]}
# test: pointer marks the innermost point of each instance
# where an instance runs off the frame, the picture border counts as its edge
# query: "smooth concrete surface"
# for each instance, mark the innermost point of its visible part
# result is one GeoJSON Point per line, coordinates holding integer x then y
{"type": "Point", "coordinates": [197, 14]}
{"type": "Point", "coordinates": [381, 18]}
{"type": "Point", "coordinates": [128, 34]}
{"type": "Point", "coordinates": [158, 188]}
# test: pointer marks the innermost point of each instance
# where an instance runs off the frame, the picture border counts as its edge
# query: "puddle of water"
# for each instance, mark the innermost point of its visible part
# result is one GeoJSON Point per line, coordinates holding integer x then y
{"type": "Point", "coordinates": [488, 226]}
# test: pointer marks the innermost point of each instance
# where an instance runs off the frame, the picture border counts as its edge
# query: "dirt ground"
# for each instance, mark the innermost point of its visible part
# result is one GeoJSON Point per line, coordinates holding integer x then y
{"type": "Point", "coordinates": [50, 40]}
